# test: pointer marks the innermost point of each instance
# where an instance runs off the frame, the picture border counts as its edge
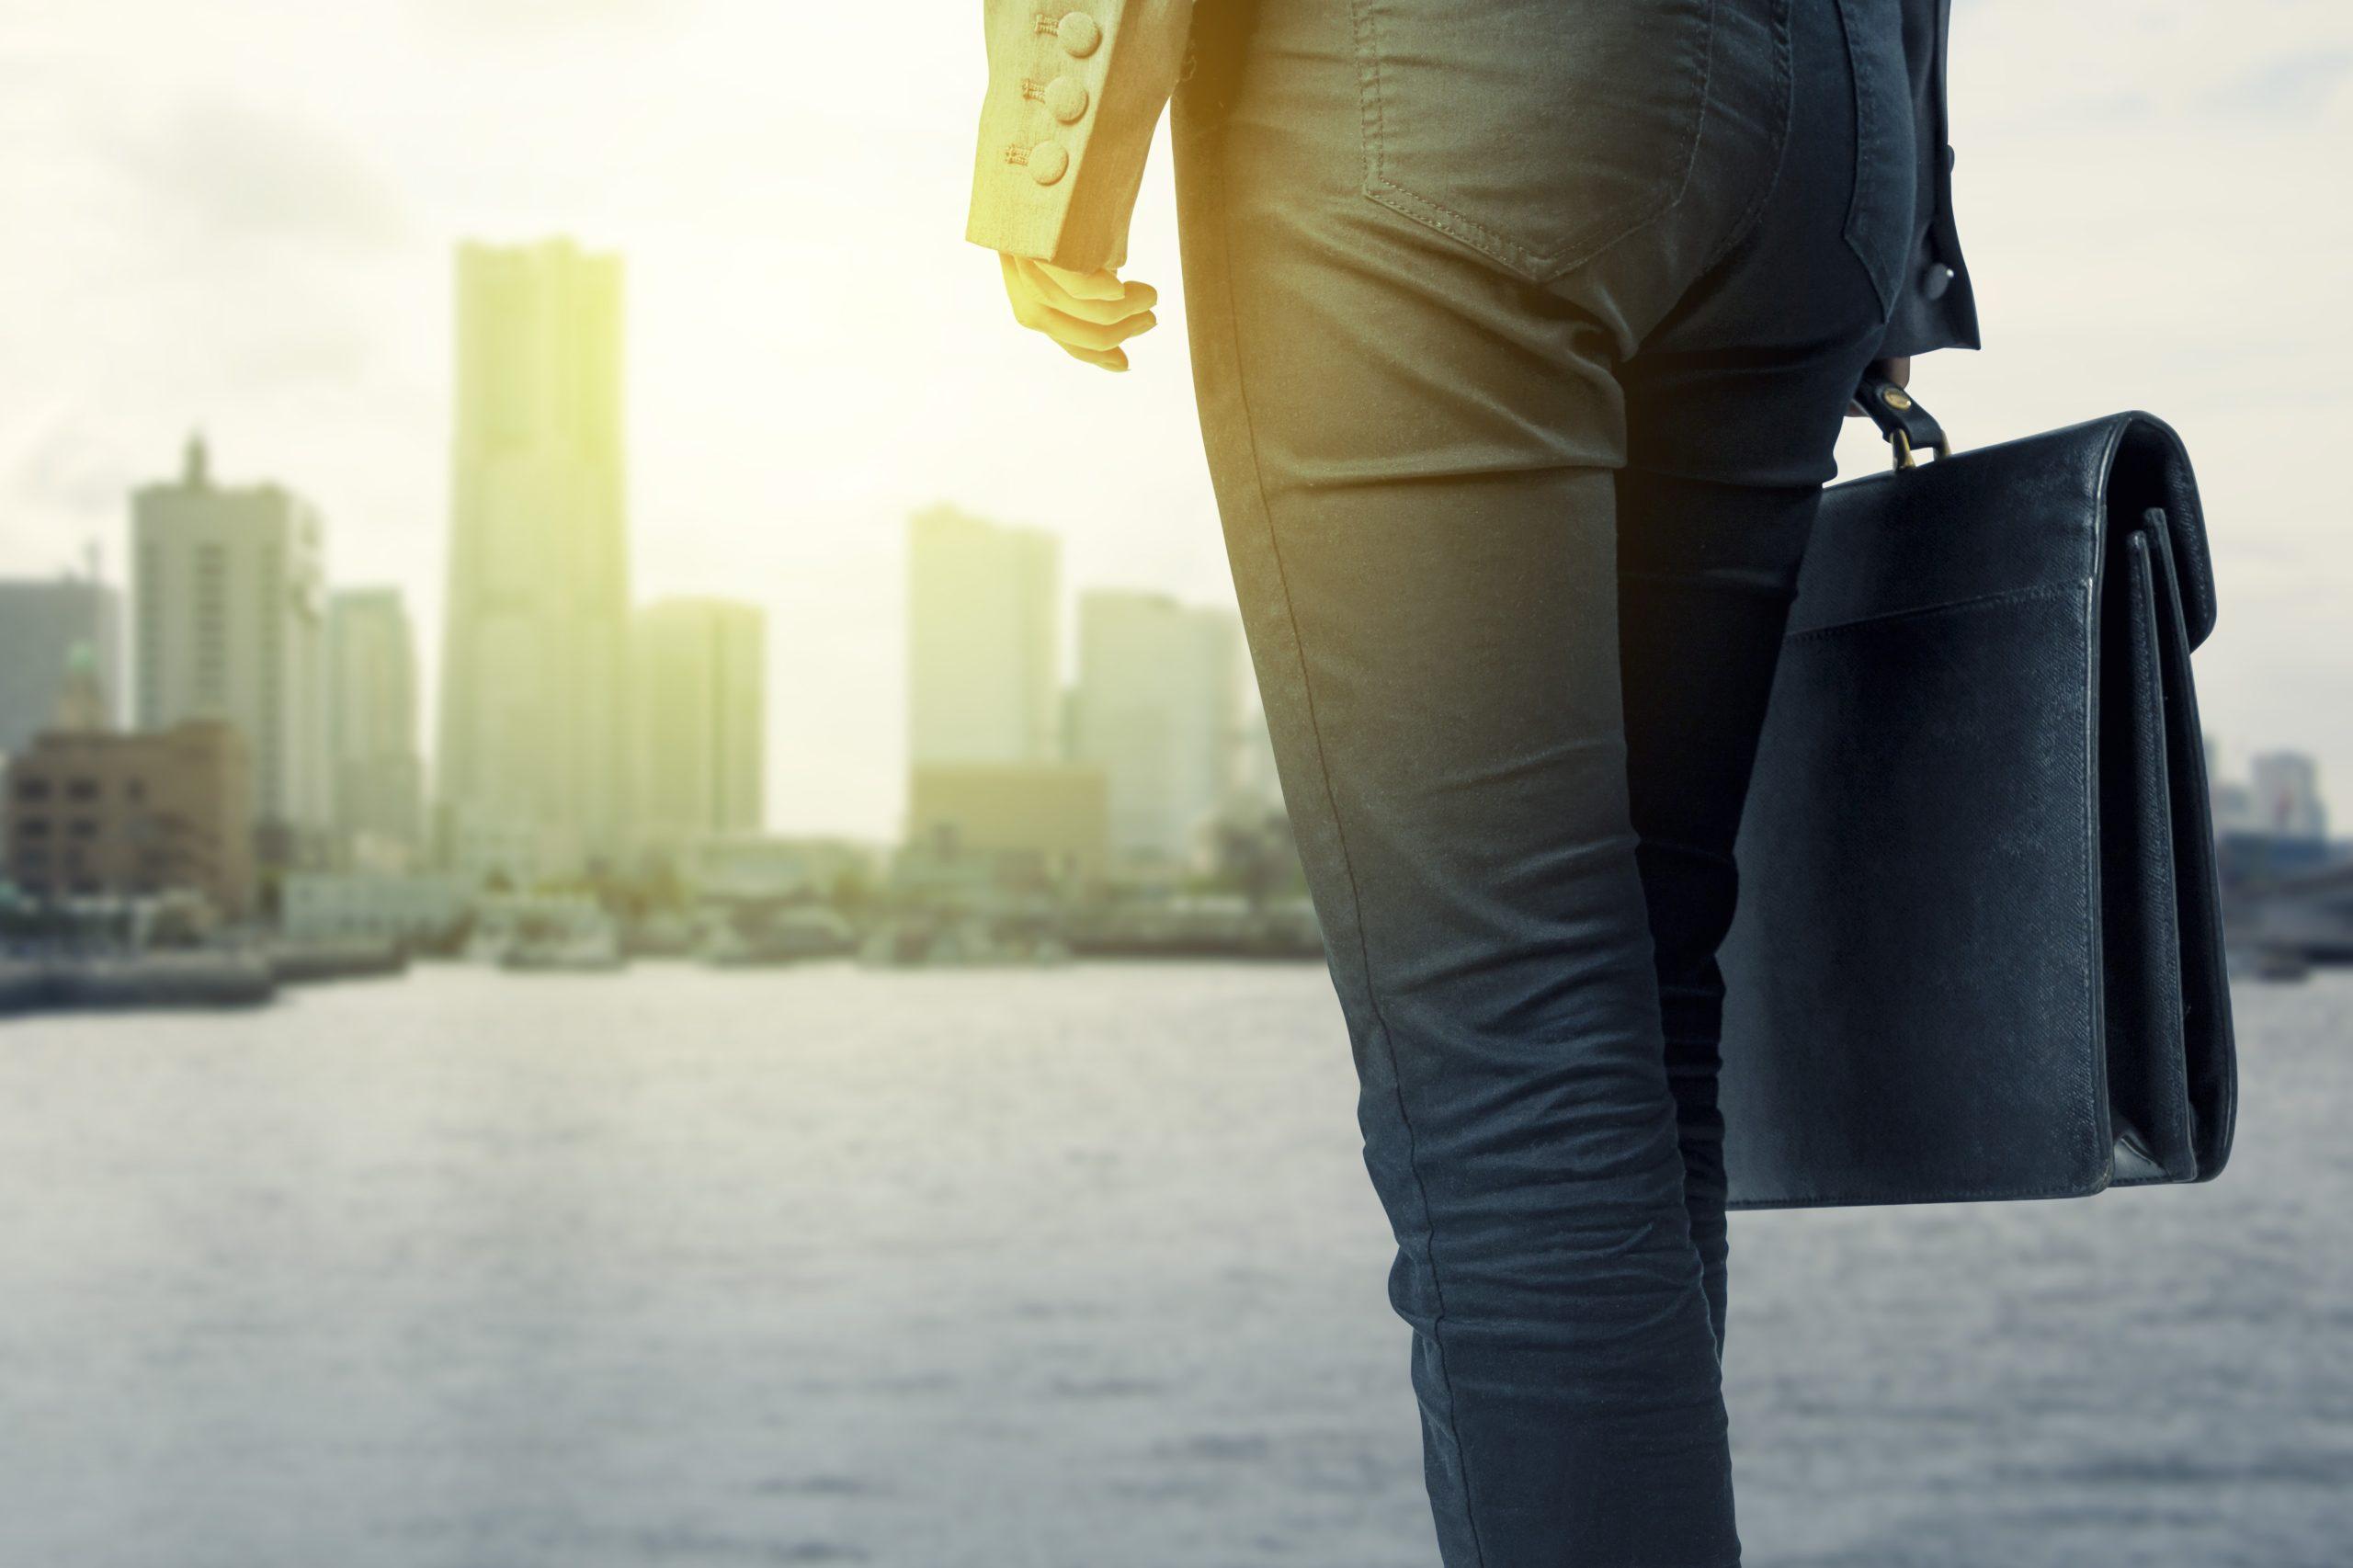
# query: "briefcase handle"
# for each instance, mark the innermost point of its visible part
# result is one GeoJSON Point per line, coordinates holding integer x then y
{"type": "Point", "coordinates": [1906, 425]}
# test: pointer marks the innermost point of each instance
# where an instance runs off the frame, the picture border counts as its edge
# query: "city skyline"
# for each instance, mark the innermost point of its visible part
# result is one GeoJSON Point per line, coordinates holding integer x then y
{"type": "Point", "coordinates": [236, 616]}
{"type": "Point", "coordinates": [983, 596]}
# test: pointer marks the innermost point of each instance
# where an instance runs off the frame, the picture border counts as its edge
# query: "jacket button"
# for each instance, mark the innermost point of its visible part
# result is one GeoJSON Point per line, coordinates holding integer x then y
{"type": "Point", "coordinates": [1048, 160]}
{"type": "Point", "coordinates": [1079, 34]}
{"type": "Point", "coordinates": [1065, 100]}
{"type": "Point", "coordinates": [1936, 279]}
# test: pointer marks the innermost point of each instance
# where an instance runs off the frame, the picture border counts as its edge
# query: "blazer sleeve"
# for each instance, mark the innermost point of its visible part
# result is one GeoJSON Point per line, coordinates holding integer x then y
{"type": "Point", "coordinates": [1075, 90]}
{"type": "Point", "coordinates": [1936, 308]}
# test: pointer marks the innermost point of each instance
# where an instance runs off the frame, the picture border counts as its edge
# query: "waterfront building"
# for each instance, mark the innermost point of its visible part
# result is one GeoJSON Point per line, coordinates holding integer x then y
{"type": "Point", "coordinates": [228, 589]}
{"type": "Point", "coordinates": [1040, 823]}
{"type": "Point", "coordinates": [761, 866]}
{"type": "Point", "coordinates": [97, 813]}
{"type": "Point", "coordinates": [43, 620]}
{"type": "Point", "coordinates": [379, 777]}
{"type": "Point", "coordinates": [1158, 708]}
{"type": "Point", "coordinates": [533, 718]}
{"type": "Point", "coordinates": [491, 852]}
{"type": "Point", "coordinates": [419, 907]}
{"type": "Point", "coordinates": [700, 731]}
{"type": "Point", "coordinates": [984, 640]}
{"type": "Point", "coordinates": [2286, 794]}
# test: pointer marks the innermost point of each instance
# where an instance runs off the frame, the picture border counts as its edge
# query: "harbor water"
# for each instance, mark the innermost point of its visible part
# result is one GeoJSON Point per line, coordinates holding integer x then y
{"type": "Point", "coordinates": [1074, 1267]}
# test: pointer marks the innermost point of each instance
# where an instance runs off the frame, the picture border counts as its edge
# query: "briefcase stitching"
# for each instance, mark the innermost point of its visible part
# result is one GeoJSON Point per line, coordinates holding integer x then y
{"type": "Point", "coordinates": [1978, 601]}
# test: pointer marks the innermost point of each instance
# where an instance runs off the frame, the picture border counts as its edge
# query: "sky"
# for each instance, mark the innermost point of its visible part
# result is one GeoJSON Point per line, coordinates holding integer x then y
{"type": "Point", "coordinates": [242, 217]}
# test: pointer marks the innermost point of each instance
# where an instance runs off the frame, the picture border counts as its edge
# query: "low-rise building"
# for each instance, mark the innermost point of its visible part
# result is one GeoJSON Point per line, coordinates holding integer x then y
{"type": "Point", "coordinates": [391, 906]}
{"type": "Point", "coordinates": [1038, 823]}
{"type": "Point", "coordinates": [96, 814]}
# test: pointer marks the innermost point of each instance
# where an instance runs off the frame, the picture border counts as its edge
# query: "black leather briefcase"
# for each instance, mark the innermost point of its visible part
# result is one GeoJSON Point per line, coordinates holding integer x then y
{"type": "Point", "coordinates": [1979, 950]}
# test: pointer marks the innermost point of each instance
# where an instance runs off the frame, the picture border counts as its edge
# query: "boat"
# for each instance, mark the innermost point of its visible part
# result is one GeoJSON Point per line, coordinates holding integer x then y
{"type": "Point", "coordinates": [2281, 964]}
{"type": "Point", "coordinates": [588, 950]}
{"type": "Point", "coordinates": [787, 936]}
{"type": "Point", "coordinates": [942, 942]}
{"type": "Point", "coordinates": [560, 931]}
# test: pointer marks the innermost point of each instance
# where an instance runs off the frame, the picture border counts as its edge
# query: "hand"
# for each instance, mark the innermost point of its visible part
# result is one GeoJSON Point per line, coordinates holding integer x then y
{"type": "Point", "coordinates": [1089, 314]}
{"type": "Point", "coordinates": [1898, 370]}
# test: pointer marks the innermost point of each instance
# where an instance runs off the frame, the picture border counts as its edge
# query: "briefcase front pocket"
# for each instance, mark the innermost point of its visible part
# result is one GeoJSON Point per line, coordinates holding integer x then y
{"type": "Point", "coordinates": [1913, 1000]}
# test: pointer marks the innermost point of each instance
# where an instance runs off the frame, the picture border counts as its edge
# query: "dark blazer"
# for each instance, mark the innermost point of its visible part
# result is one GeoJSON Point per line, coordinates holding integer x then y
{"type": "Point", "coordinates": [1936, 308]}
{"type": "Point", "coordinates": [1075, 87]}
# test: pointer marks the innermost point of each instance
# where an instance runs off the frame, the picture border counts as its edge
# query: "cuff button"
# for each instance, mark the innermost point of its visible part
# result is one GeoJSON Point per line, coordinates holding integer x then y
{"type": "Point", "coordinates": [1079, 34]}
{"type": "Point", "coordinates": [1934, 280]}
{"type": "Point", "coordinates": [1065, 100]}
{"type": "Point", "coordinates": [1048, 161]}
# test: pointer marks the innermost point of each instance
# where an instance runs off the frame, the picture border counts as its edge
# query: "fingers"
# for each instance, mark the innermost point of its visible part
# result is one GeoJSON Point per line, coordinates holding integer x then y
{"type": "Point", "coordinates": [1100, 284]}
{"type": "Point", "coordinates": [1072, 332]}
{"type": "Point", "coordinates": [1089, 326]}
{"type": "Point", "coordinates": [1109, 358]}
{"type": "Point", "coordinates": [1124, 299]}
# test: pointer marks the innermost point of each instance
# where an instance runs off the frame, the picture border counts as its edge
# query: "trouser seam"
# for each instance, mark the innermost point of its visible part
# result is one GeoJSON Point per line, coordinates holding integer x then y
{"type": "Point", "coordinates": [1232, 327]}
{"type": "Point", "coordinates": [1786, 75]}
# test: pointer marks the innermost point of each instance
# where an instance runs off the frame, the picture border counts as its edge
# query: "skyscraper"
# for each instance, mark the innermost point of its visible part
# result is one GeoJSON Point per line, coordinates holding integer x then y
{"type": "Point", "coordinates": [41, 623]}
{"type": "Point", "coordinates": [371, 724]}
{"type": "Point", "coordinates": [982, 640]}
{"type": "Point", "coordinates": [229, 599]}
{"type": "Point", "coordinates": [700, 692]}
{"type": "Point", "coordinates": [1158, 707]}
{"type": "Point", "coordinates": [533, 714]}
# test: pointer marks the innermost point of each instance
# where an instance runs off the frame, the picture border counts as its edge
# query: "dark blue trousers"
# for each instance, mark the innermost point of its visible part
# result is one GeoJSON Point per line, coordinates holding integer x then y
{"type": "Point", "coordinates": [1522, 331]}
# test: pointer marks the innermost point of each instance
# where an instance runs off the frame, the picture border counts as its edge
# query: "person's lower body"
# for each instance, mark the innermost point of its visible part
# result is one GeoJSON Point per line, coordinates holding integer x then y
{"type": "Point", "coordinates": [1518, 416]}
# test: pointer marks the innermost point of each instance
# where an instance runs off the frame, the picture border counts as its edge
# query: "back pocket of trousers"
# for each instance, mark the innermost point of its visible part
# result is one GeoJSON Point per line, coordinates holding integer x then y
{"type": "Point", "coordinates": [1879, 218]}
{"type": "Point", "coordinates": [1536, 131]}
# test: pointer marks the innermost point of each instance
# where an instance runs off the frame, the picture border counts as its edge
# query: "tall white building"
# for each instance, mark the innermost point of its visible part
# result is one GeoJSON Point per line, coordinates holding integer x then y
{"type": "Point", "coordinates": [983, 637]}
{"type": "Point", "coordinates": [1257, 778]}
{"type": "Point", "coordinates": [229, 591]}
{"type": "Point", "coordinates": [1158, 707]}
{"type": "Point", "coordinates": [371, 726]}
{"type": "Point", "coordinates": [41, 623]}
{"type": "Point", "coordinates": [533, 716]}
{"type": "Point", "coordinates": [2230, 801]}
{"type": "Point", "coordinates": [699, 693]}
{"type": "Point", "coordinates": [2286, 795]}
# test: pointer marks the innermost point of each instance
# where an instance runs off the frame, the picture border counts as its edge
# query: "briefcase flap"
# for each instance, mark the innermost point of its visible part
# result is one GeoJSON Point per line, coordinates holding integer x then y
{"type": "Point", "coordinates": [2029, 514]}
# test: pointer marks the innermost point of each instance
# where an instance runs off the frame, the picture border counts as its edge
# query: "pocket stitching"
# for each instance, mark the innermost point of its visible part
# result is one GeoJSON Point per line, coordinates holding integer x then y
{"type": "Point", "coordinates": [1543, 268]}
{"type": "Point", "coordinates": [1412, 203]}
